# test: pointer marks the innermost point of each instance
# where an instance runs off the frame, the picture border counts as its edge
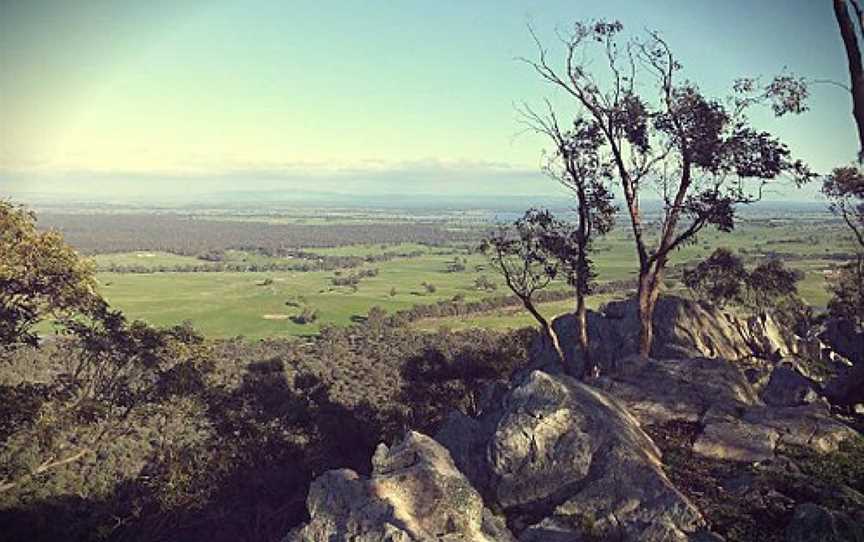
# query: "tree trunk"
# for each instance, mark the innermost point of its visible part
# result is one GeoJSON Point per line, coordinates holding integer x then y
{"type": "Point", "coordinates": [553, 338]}
{"type": "Point", "coordinates": [649, 292]}
{"type": "Point", "coordinates": [547, 328]}
{"type": "Point", "coordinates": [589, 368]}
{"type": "Point", "coordinates": [856, 71]}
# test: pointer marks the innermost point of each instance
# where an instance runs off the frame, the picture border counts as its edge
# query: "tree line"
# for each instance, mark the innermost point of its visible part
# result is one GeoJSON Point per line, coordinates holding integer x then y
{"type": "Point", "coordinates": [302, 261]}
{"type": "Point", "coordinates": [191, 236]}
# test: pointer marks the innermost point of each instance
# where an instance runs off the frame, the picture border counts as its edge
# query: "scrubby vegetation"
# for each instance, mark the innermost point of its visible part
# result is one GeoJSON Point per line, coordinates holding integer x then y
{"type": "Point", "coordinates": [743, 503]}
{"type": "Point", "coordinates": [119, 430]}
{"type": "Point", "coordinates": [223, 431]}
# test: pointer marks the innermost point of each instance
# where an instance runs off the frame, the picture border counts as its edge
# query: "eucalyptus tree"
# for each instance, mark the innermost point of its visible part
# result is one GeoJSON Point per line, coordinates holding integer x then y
{"type": "Point", "coordinates": [844, 188]}
{"type": "Point", "coordinates": [40, 276]}
{"type": "Point", "coordinates": [520, 253]}
{"type": "Point", "coordinates": [851, 32]}
{"type": "Point", "coordinates": [659, 130]}
{"type": "Point", "coordinates": [576, 163]}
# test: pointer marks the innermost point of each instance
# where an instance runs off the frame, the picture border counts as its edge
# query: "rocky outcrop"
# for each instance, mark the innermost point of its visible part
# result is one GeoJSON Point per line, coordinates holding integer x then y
{"type": "Point", "coordinates": [714, 393]}
{"type": "Point", "coordinates": [658, 391]}
{"type": "Point", "coordinates": [564, 461]}
{"type": "Point", "coordinates": [415, 493]}
{"type": "Point", "coordinates": [683, 329]}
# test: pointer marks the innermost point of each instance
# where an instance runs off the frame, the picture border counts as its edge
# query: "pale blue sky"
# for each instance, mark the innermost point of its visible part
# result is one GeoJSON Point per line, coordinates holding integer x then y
{"type": "Point", "coordinates": [122, 97]}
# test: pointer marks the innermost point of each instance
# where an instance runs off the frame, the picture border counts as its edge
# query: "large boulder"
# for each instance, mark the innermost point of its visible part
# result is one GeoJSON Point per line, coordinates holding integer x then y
{"type": "Point", "coordinates": [415, 494]}
{"type": "Point", "coordinates": [683, 328]}
{"type": "Point", "coordinates": [662, 390]}
{"type": "Point", "coordinates": [736, 423]}
{"type": "Point", "coordinates": [565, 461]}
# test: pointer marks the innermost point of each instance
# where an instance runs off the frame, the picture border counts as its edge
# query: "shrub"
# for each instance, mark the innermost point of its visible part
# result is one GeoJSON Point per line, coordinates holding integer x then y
{"type": "Point", "coordinates": [720, 278]}
{"type": "Point", "coordinates": [307, 316]}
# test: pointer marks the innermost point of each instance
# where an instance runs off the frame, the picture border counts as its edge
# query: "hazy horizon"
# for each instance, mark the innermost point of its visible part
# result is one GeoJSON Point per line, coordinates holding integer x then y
{"type": "Point", "coordinates": [106, 101]}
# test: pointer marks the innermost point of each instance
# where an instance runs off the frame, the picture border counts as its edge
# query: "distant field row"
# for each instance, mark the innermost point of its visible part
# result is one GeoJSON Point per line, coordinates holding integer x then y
{"type": "Point", "coordinates": [144, 260]}
{"type": "Point", "coordinates": [258, 305]}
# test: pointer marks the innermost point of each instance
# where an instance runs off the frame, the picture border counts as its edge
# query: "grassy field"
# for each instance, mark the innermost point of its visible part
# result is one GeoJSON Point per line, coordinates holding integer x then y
{"type": "Point", "coordinates": [248, 304]}
{"type": "Point", "coordinates": [258, 305]}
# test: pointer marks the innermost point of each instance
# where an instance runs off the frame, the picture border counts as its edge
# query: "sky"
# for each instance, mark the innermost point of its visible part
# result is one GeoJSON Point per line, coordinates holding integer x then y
{"type": "Point", "coordinates": [178, 98]}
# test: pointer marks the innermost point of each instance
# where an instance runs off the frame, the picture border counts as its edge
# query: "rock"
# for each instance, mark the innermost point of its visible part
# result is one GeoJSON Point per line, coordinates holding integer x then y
{"type": "Point", "coordinates": [809, 426]}
{"type": "Point", "coordinates": [814, 523]}
{"type": "Point", "coordinates": [758, 377]}
{"type": "Point", "coordinates": [731, 438]}
{"type": "Point", "coordinates": [565, 461]}
{"type": "Point", "coordinates": [787, 387]}
{"type": "Point", "coordinates": [752, 434]}
{"type": "Point", "coordinates": [415, 493]}
{"type": "Point", "coordinates": [683, 329]}
{"type": "Point", "coordinates": [658, 391]}
{"type": "Point", "coordinates": [714, 393]}
{"type": "Point", "coordinates": [706, 536]}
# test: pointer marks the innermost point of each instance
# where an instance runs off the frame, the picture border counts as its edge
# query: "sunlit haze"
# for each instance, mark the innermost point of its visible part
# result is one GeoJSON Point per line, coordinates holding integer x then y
{"type": "Point", "coordinates": [178, 98]}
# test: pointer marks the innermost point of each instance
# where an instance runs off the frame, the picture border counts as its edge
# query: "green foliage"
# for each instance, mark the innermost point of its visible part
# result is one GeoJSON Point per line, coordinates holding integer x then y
{"type": "Point", "coordinates": [844, 189]}
{"type": "Point", "coordinates": [106, 375]}
{"type": "Point", "coordinates": [224, 437]}
{"type": "Point", "coordinates": [847, 287]}
{"type": "Point", "coordinates": [748, 503]}
{"type": "Point", "coordinates": [457, 265]}
{"type": "Point", "coordinates": [528, 253]}
{"type": "Point", "coordinates": [483, 283]}
{"type": "Point", "coordinates": [307, 316]}
{"type": "Point", "coordinates": [720, 278]}
{"type": "Point", "coordinates": [769, 282]}
{"type": "Point", "coordinates": [40, 276]}
{"type": "Point", "coordinates": [845, 466]}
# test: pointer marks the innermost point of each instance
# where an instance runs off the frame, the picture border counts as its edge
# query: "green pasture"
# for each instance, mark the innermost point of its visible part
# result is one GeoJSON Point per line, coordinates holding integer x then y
{"type": "Point", "coordinates": [230, 304]}
{"type": "Point", "coordinates": [248, 304]}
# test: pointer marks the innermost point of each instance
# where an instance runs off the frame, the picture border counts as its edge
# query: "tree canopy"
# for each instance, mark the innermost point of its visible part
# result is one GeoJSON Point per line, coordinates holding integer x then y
{"type": "Point", "coordinates": [40, 276]}
{"type": "Point", "coordinates": [659, 130]}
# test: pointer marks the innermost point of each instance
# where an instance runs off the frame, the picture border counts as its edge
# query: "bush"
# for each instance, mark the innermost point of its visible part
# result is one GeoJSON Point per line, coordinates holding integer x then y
{"type": "Point", "coordinates": [483, 283]}
{"type": "Point", "coordinates": [227, 448]}
{"type": "Point", "coordinates": [770, 286]}
{"type": "Point", "coordinates": [720, 278]}
{"type": "Point", "coordinates": [307, 316]}
{"type": "Point", "coordinates": [847, 287]}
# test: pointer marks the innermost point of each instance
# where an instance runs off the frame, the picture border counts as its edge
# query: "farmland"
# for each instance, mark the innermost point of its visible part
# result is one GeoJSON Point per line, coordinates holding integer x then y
{"type": "Point", "coordinates": [255, 304]}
